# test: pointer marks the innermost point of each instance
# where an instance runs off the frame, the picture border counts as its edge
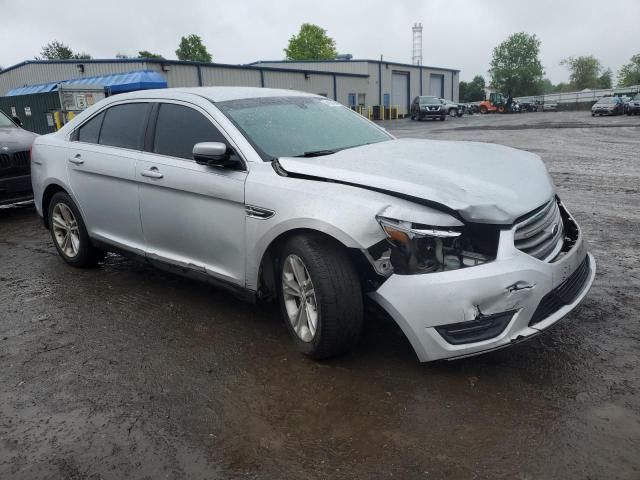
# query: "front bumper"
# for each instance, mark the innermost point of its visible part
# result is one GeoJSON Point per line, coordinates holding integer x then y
{"type": "Point", "coordinates": [431, 113]}
{"type": "Point", "coordinates": [420, 303]}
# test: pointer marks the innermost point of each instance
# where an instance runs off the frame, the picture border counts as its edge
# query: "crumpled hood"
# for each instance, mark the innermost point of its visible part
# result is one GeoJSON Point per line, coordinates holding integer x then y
{"type": "Point", "coordinates": [483, 182]}
{"type": "Point", "coordinates": [15, 138]}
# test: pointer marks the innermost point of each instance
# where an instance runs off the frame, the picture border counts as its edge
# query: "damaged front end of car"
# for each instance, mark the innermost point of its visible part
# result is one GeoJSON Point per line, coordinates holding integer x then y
{"type": "Point", "coordinates": [459, 288]}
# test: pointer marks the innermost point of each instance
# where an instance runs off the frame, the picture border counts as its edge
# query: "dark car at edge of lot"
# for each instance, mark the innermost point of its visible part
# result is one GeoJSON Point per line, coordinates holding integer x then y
{"type": "Point", "coordinates": [15, 163]}
{"type": "Point", "coordinates": [633, 107]}
{"type": "Point", "coordinates": [428, 107]}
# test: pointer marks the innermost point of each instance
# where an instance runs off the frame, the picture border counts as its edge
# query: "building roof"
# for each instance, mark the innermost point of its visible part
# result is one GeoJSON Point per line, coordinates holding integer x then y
{"type": "Point", "coordinates": [114, 83]}
{"type": "Point", "coordinates": [362, 60]}
{"type": "Point", "coordinates": [162, 61]}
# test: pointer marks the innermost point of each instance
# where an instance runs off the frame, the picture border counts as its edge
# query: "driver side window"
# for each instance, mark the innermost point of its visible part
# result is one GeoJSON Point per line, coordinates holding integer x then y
{"type": "Point", "coordinates": [179, 128]}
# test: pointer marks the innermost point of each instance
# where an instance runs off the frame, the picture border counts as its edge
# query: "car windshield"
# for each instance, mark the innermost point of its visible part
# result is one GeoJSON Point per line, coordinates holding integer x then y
{"type": "Point", "coordinates": [429, 100]}
{"type": "Point", "coordinates": [606, 100]}
{"type": "Point", "coordinates": [637, 97]}
{"type": "Point", "coordinates": [300, 126]}
{"type": "Point", "coordinates": [5, 121]}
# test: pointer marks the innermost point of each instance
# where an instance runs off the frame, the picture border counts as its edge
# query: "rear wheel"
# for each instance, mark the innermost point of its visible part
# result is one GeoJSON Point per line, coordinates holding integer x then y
{"type": "Point", "coordinates": [483, 109]}
{"type": "Point", "coordinates": [320, 296]}
{"type": "Point", "coordinates": [69, 233]}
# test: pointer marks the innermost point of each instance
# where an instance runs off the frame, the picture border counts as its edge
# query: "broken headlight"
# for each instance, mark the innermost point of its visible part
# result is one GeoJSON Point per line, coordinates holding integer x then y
{"type": "Point", "coordinates": [419, 248]}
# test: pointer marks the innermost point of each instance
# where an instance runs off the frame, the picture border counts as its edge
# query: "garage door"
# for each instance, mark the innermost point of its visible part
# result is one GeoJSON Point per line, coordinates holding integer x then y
{"type": "Point", "coordinates": [436, 85]}
{"type": "Point", "coordinates": [400, 91]}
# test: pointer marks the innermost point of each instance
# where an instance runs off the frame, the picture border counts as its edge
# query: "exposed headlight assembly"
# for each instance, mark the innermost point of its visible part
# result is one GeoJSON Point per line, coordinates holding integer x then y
{"type": "Point", "coordinates": [419, 249]}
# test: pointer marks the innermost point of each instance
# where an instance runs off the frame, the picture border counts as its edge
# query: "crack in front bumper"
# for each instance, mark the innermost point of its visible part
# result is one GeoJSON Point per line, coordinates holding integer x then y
{"type": "Point", "coordinates": [419, 303]}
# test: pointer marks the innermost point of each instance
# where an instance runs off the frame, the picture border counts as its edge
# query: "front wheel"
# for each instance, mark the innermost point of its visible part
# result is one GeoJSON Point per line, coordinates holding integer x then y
{"type": "Point", "coordinates": [320, 295]}
{"type": "Point", "coordinates": [69, 233]}
{"type": "Point", "coordinates": [453, 112]}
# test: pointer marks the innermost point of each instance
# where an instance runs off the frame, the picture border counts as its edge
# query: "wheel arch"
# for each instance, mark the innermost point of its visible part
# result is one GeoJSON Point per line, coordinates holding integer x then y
{"type": "Point", "coordinates": [47, 195]}
{"type": "Point", "coordinates": [269, 259]}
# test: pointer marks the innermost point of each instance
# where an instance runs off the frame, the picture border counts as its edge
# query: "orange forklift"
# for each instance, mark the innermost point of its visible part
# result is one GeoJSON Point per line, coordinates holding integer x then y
{"type": "Point", "coordinates": [495, 103]}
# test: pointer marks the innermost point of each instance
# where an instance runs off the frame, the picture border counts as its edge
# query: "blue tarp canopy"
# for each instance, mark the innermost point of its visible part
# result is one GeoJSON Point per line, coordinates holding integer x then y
{"type": "Point", "coordinates": [115, 83]}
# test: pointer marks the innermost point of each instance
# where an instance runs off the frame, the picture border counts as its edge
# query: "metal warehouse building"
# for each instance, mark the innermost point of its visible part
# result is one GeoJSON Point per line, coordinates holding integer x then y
{"type": "Point", "coordinates": [350, 82]}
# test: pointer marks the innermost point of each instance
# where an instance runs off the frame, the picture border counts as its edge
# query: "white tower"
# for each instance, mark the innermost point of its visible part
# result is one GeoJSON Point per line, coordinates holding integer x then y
{"type": "Point", "coordinates": [417, 44]}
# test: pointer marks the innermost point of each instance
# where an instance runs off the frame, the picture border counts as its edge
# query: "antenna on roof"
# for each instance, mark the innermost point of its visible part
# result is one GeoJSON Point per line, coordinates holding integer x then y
{"type": "Point", "coordinates": [416, 57]}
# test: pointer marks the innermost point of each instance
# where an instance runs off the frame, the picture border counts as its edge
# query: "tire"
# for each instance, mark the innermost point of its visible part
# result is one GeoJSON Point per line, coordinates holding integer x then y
{"type": "Point", "coordinates": [337, 296]}
{"type": "Point", "coordinates": [483, 109]}
{"type": "Point", "coordinates": [69, 233]}
{"type": "Point", "coordinates": [500, 109]}
{"type": "Point", "coordinates": [453, 112]}
{"type": "Point", "coordinates": [413, 117]}
{"type": "Point", "coordinates": [593, 114]}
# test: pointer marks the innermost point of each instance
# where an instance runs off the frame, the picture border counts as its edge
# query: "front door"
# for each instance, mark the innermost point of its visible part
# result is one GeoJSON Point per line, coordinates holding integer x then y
{"type": "Point", "coordinates": [193, 215]}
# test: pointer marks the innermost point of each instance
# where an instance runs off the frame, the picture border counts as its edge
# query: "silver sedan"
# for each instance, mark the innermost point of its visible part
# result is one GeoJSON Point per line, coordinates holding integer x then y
{"type": "Point", "coordinates": [275, 194]}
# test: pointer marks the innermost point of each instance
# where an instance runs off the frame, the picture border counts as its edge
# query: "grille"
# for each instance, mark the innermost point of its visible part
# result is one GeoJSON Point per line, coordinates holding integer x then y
{"type": "Point", "coordinates": [564, 294]}
{"type": "Point", "coordinates": [21, 159]}
{"type": "Point", "coordinates": [541, 233]}
{"type": "Point", "coordinates": [5, 161]}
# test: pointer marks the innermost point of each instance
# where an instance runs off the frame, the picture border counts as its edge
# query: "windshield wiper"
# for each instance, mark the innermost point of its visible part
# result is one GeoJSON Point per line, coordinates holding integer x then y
{"type": "Point", "coordinates": [317, 153]}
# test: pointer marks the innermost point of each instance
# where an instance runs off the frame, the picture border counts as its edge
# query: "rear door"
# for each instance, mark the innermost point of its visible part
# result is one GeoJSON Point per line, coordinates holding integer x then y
{"type": "Point", "coordinates": [193, 215]}
{"type": "Point", "coordinates": [102, 172]}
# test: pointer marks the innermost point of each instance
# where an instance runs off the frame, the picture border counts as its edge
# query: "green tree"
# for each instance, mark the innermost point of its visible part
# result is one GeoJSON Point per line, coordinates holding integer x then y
{"type": "Point", "coordinates": [546, 86]}
{"type": "Point", "coordinates": [56, 50]}
{"type": "Point", "coordinates": [584, 72]}
{"type": "Point", "coordinates": [192, 48]}
{"type": "Point", "coordinates": [472, 91]}
{"type": "Point", "coordinates": [311, 43]}
{"type": "Point", "coordinates": [629, 73]}
{"type": "Point", "coordinates": [516, 66]}
{"type": "Point", "coordinates": [148, 54]}
{"type": "Point", "coordinates": [606, 79]}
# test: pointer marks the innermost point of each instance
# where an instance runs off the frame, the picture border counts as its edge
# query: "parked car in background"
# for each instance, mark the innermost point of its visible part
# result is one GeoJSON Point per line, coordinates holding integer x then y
{"type": "Point", "coordinates": [529, 106]}
{"type": "Point", "coordinates": [608, 106]}
{"type": "Point", "coordinates": [288, 195]}
{"type": "Point", "coordinates": [452, 108]}
{"type": "Point", "coordinates": [633, 107]}
{"type": "Point", "coordinates": [549, 107]}
{"type": "Point", "coordinates": [428, 107]}
{"type": "Point", "coordinates": [15, 163]}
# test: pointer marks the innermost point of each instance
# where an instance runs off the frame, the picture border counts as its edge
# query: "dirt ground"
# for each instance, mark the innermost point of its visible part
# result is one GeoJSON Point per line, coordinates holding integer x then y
{"type": "Point", "coordinates": [124, 372]}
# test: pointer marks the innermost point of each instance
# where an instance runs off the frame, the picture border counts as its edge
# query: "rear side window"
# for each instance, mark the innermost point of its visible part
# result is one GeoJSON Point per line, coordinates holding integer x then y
{"type": "Point", "coordinates": [179, 128]}
{"type": "Point", "coordinates": [124, 126]}
{"type": "Point", "coordinates": [89, 131]}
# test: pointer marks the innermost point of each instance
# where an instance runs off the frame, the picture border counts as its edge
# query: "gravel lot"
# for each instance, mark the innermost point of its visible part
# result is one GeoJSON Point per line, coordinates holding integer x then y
{"type": "Point", "coordinates": [126, 372]}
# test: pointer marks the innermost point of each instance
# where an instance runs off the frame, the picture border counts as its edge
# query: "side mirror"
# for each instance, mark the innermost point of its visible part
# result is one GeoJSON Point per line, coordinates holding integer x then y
{"type": "Point", "coordinates": [214, 154]}
{"type": "Point", "coordinates": [17, 121]}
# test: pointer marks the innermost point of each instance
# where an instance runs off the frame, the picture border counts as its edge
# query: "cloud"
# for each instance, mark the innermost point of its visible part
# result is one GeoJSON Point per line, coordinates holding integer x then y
{"type": "Point", "coordinates": [457, 33]}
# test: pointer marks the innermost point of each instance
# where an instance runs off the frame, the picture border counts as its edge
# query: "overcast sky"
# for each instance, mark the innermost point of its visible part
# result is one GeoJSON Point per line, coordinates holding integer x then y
{"type": "Point", "coordinates": [457, 33]}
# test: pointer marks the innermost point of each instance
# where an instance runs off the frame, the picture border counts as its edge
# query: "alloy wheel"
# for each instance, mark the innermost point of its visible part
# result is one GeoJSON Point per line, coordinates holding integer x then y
{"type": "Point", "coordinates": [65, 230]}
{"type": "Point", "coordinates": [299, 298]}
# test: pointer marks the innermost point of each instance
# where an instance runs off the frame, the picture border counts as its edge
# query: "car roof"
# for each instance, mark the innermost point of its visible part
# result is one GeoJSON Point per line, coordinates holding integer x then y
{"type": "Point", "coordinates": [216, 94]}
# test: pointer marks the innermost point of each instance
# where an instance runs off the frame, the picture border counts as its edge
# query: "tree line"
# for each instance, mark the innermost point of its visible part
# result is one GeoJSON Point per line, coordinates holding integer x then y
{"type": "Point", "coordinates": [515, 64]}
{"type": "Point", "coordinates": [516, 68]}
{"type": "Point", "coordinates": [311, 43]}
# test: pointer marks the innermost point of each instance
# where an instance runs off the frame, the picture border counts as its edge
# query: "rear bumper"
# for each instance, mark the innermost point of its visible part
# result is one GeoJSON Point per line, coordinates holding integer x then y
{"type": "Point", "coordinates": [15, 189]}
{"type": "Point", "coordinates": [420, 303]}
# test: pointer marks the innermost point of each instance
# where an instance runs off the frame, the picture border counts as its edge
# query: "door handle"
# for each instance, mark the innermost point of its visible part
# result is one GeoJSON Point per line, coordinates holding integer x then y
{"type": "Point", "coordinates": [151, 173]}
{"type": "Point", "coordinates": [77, 159]}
